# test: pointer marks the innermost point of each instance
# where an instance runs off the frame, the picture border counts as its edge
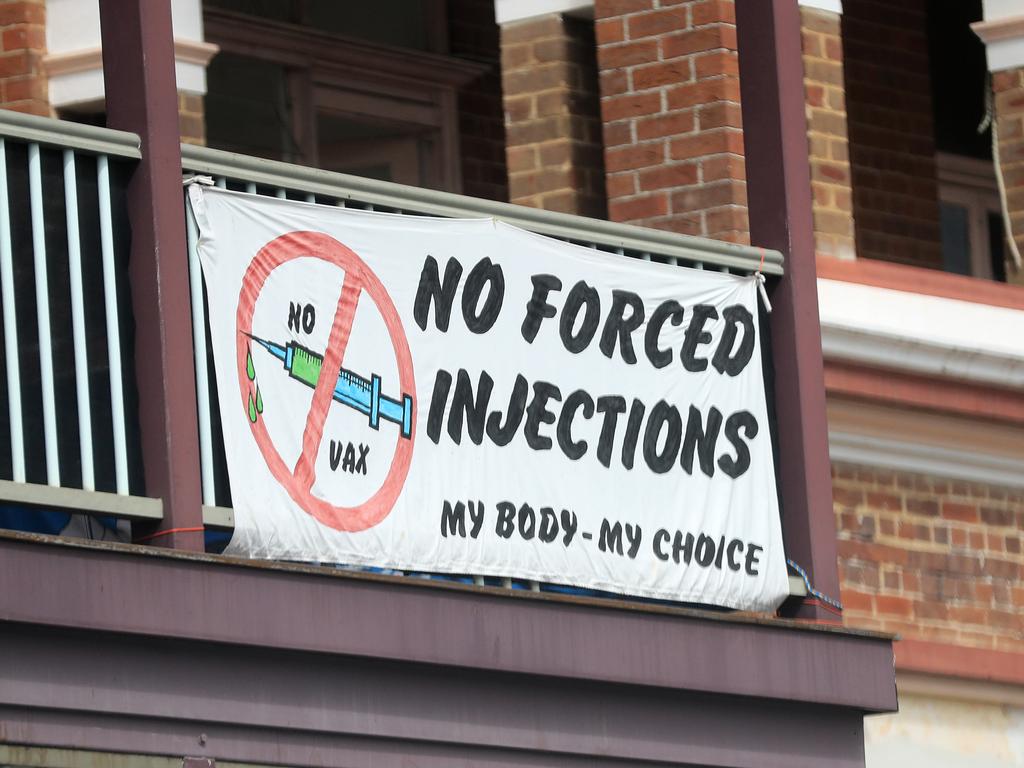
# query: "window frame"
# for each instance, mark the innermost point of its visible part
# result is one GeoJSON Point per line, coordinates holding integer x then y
{"type": "Point", "coordinates": [970, 182]}
{"type": "Point", "coordinates": [347, 76]}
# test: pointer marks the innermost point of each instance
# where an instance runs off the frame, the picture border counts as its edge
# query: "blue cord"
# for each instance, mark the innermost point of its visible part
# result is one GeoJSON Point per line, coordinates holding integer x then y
{"type": "Point", "coordinates": [811, 590]}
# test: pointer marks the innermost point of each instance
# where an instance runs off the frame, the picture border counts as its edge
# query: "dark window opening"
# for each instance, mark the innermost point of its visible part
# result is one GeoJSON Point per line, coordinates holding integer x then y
{"type": "Point", "coordinates": [369, 91]}
{"type": "Point", "coordinates": [970, 210]}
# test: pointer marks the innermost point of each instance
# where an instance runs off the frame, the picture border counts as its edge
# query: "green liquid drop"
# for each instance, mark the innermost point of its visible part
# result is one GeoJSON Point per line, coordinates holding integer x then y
{"type": "Point", "coordinates": [259, 400]}
{"type": "Point", "coordinates": [250, 369]}
{"type": "Point", "coordinates": [252, 409]}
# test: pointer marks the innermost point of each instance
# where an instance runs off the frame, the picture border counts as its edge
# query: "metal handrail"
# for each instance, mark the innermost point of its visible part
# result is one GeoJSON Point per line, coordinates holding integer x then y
{"type": "Point", "coordinates": [54, 202]}
{"type": "Point", "coordinates": [81, 501]}
{"type": "Point", "coordinates": [67, 135]}
{"type": "Point", "coordinates": [611, 235]}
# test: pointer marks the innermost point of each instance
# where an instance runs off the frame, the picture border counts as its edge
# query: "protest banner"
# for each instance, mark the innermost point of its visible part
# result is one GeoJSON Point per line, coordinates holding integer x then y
{"type": "Point", "coordinates": [462, 396]}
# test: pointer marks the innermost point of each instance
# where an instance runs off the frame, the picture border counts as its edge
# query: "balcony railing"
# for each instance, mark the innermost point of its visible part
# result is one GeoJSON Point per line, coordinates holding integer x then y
{"type": "Point", "coordinates": [69, 431]}
{"type": "Point", "coordinates": [69, 434]}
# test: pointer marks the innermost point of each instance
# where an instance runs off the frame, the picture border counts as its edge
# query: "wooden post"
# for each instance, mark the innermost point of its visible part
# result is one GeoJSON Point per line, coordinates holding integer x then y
{"type": "Point", "coordinates": [779, 200]}
{"type": "Point", "coordinates": [141, 96]}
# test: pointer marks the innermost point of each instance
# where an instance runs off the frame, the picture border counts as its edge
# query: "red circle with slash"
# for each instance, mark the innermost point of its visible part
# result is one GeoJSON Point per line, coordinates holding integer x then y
{"type": "Point", "coordinates": [298, 481]}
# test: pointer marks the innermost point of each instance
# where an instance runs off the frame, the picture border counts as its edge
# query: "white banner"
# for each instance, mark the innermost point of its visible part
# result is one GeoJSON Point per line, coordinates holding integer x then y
{"type": "Point", "coordinates": [492, 402]}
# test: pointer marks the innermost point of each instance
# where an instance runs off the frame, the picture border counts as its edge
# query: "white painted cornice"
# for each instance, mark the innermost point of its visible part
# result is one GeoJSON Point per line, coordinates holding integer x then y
{"type": "Point", "coordinates": [835, 6]}
{"type": "Point", "coordinates": [921, 334]}
{"type": "Point", "coordinates": [1002, 31]}
{"type": "Point", "coordinates": [74, 63]}
{"type": "Point", "coordinates": [959, 689]}
{"type": "Point", "coordinates": [511, 11]}
{"type": "Point", "coordinates": [935, 337]}
{"type": "Point", "coordinates": [885, 451]}
{"type": "Point", "coordinates": [76, 77]}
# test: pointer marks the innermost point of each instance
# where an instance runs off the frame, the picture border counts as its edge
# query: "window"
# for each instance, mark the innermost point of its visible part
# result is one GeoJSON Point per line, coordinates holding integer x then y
{"type": "Point", "coordinates": [971, 217]}
{"type": "Point", "coordinates": [284, 89]}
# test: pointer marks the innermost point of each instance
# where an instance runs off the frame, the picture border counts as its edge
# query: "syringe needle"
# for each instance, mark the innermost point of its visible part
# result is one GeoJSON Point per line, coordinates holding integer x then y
{"type": "Point", "coordinates": [350, 389]}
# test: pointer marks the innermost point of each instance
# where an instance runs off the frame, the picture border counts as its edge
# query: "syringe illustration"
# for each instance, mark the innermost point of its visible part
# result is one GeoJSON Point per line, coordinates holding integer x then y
{"type": "Point", "coordinates": [351, 389]}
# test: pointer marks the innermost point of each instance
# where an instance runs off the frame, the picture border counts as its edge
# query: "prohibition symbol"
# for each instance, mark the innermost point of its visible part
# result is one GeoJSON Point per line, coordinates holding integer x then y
{"type": "Point", "coordinates": [298, 480]}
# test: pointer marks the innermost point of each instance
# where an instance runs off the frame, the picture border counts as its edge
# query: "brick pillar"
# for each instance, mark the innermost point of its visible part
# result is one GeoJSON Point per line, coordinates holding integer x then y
{"type": "Point", "coordinates": [23, 85]}
{"type": "Point", "coordinates": [670, 104]}
{"type": "Point", "coordinates": [1009, 93]}
{"type": "Point", "coordinates": [191, 118]}
{"type": "Point", "coordinates": [892, 144]}
{"type": "Point", "coordinates": [552, 118]}
{"type": "Point", "coordinates": [826, 133]}
{"type": "Point", "coordinates": [473, 34]}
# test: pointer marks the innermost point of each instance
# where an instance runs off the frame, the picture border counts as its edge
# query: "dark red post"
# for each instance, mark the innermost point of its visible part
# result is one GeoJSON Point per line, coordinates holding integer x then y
{"type": "Point", "coordinates": [779, 199]}
{"type": "Point", "coordinates": [141, 96]}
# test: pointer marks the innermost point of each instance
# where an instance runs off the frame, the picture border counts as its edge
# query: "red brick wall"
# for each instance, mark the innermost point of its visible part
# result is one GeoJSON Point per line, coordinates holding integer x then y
{"type": "Point", "coordinates": [473, 34]}
{"type": "Point", "coordinates": [552, 115]}
{"type": "Point", "coordinates": [892, 149]}
{"type": "Point", "coordinates": [930, 558]}
{"type": "Point", "coordinates": [669, 78]}
{"type": "Point", "coordinates": [1009, 93]}
{"type": "Point", "coordinates": [826, 133]}
{"type": "Point", "coordinates": [23, 85]}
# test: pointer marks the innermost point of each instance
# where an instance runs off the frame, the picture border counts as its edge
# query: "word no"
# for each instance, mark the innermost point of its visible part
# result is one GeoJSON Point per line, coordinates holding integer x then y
{"type": "Point", "coordinates": [301, 314]}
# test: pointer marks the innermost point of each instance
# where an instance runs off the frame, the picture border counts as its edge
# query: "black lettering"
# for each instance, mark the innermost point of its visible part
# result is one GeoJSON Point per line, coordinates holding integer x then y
{"type": "Point", "coordinates": [636, 420]}
{"type": "Point", "coordinates": [724, 360]}
{"type": "Point", "coordinates": [348, 464]}
{"type": "Point", "coordinates": [453, 520]}
{"type": "Point", "coordinates": [573, 449]}
{"type": "Point", "coordinates": [705, 550]}
{"type": "Point", "coordinates": [740, 420]}
{"type": "Point", "coordinates": [335, 455]}
{"type": "Point", "coordinates": [431, 290]}
{"type": "Point", "coordinates": [634, 535]}
{"type": "Point", "coordinates": [620, 326]}
{"type": "Point", "coordinates": [537, 308]}
{"type": "Point", "coordinates": [361, 460]}
{"type": "Point", "coordinates": [304, 314]}
{"type": "Point", "coordinates": [438, 402]}
{"type": "Point", "coordinates": [537, 413]}
{"type": "Point", "coordinates": [719, 552]}
{"type": "Point", "coordinates": [611, 406]}
{"type": "Point", "coordinates": [695, 336]}
{"type": "Point", "coordinates": [581, 295]}
{"type": "Point", "coordinates": [610, 538]}
{"type": "Point", "coordinates": [502, 435]}
{"type": "Point", "coordinates": [527, 522]}
{"type": "Point", "coordinates": [504, 523]}
{"type": "Point", "coordinates": [752, 560]}
{"type": "Point", "coordinates": [548, 531]}
{"type": "Point", "coordinates": [681, 546]}
{"type": "Point", "coordinates": [662, 414]}
{"type": "Point", "coordinates": [476, 516]}
{"type": "Point", "coordinates": [670, 310]}
{"type": "Point", "coordinates": [484, 273]}
{"type": "Point", "coordinates": [702, 439]}
{"type": "Point", "coordinates": [734, 546]}
{"type": "Point", "coordinates": [570, 524]}
{"type": "Point", "coordinates": [660, 536]}
{"type": "Point", "coordinates": [474, 409]}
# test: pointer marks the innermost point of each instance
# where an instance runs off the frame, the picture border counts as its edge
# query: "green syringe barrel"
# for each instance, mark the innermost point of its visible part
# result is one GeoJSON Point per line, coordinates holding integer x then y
{"type": "Point", "coordinates": [351, 389]}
